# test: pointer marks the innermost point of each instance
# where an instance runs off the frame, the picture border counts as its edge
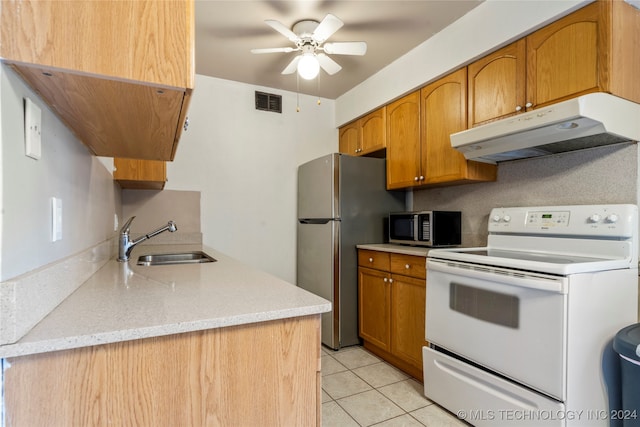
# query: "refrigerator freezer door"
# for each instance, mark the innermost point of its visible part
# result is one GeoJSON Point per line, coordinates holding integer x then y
{"type": "Point", "coordinates": [318, 182]}
{"type": "Point", "coordinates": [318, 271]}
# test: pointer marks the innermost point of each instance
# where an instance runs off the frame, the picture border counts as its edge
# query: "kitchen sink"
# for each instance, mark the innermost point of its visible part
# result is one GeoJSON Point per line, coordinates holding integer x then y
{"type": "Point", "coordinates": [196, 257]}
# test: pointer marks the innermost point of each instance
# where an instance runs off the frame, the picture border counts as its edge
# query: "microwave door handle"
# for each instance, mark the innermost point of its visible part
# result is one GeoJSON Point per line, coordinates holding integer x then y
{"type": "Point", "coordinates": [525, 281]}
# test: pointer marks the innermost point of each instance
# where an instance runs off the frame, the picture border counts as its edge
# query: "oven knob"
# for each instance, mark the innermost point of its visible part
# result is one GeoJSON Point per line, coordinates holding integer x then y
{"type": "Point", "coordinates": [507, 218]}
{"type": "Point", "coordinates": [495, 218]}
{"type": "Point", "coordinates": [612, 218]}
{"type": "Point", "coordinates": [594, 218]}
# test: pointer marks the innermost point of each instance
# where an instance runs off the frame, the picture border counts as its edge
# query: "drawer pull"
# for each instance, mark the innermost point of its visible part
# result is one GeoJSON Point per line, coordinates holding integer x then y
{"type": "Point", "coordinates": [407, 266]}
{"type": "Point", "coordinates": [385, 280]}
{"type": "Point", "coordinates": [370, 259]}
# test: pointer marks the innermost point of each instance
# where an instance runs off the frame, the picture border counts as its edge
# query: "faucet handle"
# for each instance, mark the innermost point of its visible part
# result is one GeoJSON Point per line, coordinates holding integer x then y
{"type": "Point", "coordinates": [126, 226]}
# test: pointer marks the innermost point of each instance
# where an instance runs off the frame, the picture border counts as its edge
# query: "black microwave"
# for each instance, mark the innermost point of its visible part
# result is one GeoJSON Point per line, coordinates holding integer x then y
{"type": "Point", "coordinates": [426, 228]}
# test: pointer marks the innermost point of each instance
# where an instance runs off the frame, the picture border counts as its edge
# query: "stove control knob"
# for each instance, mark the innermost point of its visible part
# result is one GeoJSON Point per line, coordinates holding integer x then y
{"type": "Point", "coordinates": [507, 218]}
{"type": "Point", "coordinates": [594, 218]}
{"type": "Point", "coordinates": [612, 218]}
{"type": "Point", "coordinates": [495, 218]}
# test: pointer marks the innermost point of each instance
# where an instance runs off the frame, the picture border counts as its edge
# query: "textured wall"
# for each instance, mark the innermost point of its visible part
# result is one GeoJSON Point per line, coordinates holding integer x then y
{"type": "Point", "coordinates": [600, 175]}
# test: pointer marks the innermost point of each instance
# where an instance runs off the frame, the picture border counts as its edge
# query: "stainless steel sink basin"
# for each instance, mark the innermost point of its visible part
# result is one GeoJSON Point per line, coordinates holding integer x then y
{"type": "Point", "coordinates": [196, 257]}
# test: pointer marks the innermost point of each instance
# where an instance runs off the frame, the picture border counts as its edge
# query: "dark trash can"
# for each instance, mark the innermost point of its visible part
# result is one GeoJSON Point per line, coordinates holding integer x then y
{"type": "Point", "coordinates": [627, 345]}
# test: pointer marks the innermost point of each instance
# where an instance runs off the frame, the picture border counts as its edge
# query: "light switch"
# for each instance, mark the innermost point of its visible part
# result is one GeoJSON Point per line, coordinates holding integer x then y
{"type": "Point", "coordinates": [56, 219]}
{"type": "Point", "coordinates": [32, 129]}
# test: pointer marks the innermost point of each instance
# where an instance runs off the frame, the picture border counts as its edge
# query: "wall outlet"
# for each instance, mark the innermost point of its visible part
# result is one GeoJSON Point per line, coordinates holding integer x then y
{"type": "Point", "coordinates": [56, 219]}
{"type": "Point", "coordinates": [32, 129]}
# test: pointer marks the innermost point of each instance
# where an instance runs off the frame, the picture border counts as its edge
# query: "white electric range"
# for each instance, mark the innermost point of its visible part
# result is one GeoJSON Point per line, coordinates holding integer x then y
{"type": "Point", "coordinates": [520, 331]}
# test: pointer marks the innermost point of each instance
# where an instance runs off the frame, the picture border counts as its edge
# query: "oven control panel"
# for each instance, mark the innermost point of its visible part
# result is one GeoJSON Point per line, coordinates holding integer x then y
{"type": "Point", "coordinates": [547, 219]}
{"type": "Point", "coordinates": [584, 220]}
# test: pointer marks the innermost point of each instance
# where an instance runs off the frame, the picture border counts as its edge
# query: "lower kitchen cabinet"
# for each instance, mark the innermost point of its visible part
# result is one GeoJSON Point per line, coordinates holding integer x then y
{"type": "Point", "coordinates": [391, 302]}
{"type": "Point", "coordinates": [265, 373]}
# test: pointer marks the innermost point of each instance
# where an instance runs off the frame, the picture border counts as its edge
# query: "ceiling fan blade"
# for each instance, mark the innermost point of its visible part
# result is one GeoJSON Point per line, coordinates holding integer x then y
{"type": "Point", "coordinates": [279, 27]}
{"type": "Point", "coordinates": [328, 64]}
{"type": "Point", "coordinates": [329, 25]}
{"type": "Point", "coordinates": [274, 50]}
{"type": "Point", "coordinates": [346, 48]}
{"type": "Point", "coordinates": [293, 65]}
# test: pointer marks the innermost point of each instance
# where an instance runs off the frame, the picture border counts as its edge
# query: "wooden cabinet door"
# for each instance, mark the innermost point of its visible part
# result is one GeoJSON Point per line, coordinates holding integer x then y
{"type": "Point", "coordinates": [403, 142]}
{"type": "Point", "coordinates": [408, 318]}
{"type": "Point", "coordinates": [569, 57]}
{"type": "Point", "coordinates": [444, 111]}
{"type": "Point", "coordinates": [496, 84]}
{"type": "Point", "coordinates": [373, 131]}
{"type": "Point", "coordinates": [349, 142]}
{"type": "Point", "coordinates": [374, 307]}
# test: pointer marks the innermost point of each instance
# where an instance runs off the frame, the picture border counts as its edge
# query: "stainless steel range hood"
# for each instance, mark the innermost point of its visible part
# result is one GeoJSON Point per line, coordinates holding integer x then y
{"type": "Point", "coordinates": [587, 121]}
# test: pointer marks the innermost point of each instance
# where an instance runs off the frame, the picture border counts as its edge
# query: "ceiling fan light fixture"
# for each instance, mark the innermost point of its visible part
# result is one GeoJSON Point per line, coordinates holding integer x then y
{"type": "Point", "coordinates": [308, 66]}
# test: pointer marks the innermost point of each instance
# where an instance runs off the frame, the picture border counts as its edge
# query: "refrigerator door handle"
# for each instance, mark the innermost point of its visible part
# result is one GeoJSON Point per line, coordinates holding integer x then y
{"type": "Point", "coordinates": [316, 220]}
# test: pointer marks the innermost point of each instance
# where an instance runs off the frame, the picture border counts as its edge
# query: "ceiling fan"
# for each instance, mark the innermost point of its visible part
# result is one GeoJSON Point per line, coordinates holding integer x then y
{"type": "Point", "coordinates": [309, 36]}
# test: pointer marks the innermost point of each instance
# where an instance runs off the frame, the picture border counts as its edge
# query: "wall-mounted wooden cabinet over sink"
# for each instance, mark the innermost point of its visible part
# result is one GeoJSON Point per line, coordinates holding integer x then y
{"type": "Point", "coordinates": [118, 74]}
{"type": "Point", "coordinates": [140, 174]}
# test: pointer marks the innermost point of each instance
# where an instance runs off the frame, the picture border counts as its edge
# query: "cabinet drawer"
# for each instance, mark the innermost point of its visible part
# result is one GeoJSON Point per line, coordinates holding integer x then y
{"type": "Point", "coordinates": [409, 265]}
{"type": "Point", "coordinates": [373, 259]}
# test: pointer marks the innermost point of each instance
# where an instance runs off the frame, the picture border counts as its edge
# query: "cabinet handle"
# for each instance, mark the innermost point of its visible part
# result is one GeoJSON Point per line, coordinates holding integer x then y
{"type": "Point", "coordinates": [390, 280]}
{"type": "Point", "coordinates": [385, 280]}
{"type": "Point", "coordinates": [518, 107]}
{"type": "Point", "coordinates": [407, 266]}
{"type": "Point", "coordinates": [415, 179]}
{"type": "Point", "coordinates": [370, 259]}
{"type": "Point", "coordinates": [421, 178]}
{"type": "Point", "coordinates": [528, 104]}
{"type": "Point", "coordinates": [186, 124]}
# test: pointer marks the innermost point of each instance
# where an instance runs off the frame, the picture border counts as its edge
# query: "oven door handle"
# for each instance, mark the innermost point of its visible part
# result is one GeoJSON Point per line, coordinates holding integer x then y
{"type": "Point", "coordinates": [500, 275]}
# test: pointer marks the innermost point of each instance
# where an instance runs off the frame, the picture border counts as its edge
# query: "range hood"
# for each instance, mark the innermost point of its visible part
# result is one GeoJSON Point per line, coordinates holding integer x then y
{"type": "Point", "coordinates": [587, 121]}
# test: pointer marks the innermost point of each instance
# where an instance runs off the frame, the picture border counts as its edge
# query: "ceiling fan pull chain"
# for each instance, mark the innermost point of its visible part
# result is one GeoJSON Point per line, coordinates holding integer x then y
{"type": "Point", "coordinates": [319, 88]}
{"type": "Point", "coordinates": [297, 93]}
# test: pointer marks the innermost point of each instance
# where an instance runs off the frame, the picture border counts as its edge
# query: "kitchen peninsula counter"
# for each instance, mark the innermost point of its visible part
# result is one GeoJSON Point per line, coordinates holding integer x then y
{"type": "Point", "coordinates": [215, 343]}
{"type": "Point", "coordinates": [125, 301]}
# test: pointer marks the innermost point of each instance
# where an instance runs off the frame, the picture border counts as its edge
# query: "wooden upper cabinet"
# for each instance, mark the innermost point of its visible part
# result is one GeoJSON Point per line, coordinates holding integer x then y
{"type": "Point", "coordinates": [350, 138]}
{"type": "Point", "coordinates": [140, 174]}
{"type": "Point", "coordinates": [569, 57]}
{"type": "Point", "coordinates": [365, 136]}
{"type": "Point", "coordinates": [403, 142]}
{"type": "Point", "coordinates": [443, 112]}
{"type": "Point", "coordinates": [373, 128]}
{"type": "Point", "coordinates": [119, 74]}
{"type": "Point", "coordinates": [496, 84]}
{"type": "Point", "coordinates": [594, 49]}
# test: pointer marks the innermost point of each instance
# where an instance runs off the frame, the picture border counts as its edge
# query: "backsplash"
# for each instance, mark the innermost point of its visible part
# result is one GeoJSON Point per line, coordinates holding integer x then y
{"type": "Point", "coordinates": [154, 209]}
{"type": "Point", "coordinates": [594, 176]}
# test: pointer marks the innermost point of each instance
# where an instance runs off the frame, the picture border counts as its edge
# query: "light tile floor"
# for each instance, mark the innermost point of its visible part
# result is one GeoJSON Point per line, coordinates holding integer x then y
{"type": "Point", "coordinates": [359, 389]}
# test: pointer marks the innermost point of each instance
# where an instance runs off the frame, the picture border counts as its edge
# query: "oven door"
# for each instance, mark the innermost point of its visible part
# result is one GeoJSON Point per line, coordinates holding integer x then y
{"type": "Point", "coordinates": [509, 321]}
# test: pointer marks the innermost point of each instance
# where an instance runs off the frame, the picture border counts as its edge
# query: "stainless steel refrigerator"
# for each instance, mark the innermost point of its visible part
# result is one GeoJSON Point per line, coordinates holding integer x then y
{"type": "Point", "coordinates": [342, 202]}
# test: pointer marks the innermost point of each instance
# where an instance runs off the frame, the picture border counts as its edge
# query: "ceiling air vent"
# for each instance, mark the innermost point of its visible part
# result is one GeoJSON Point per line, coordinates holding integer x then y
{"type": "Point", "coordinates": [268, 102]}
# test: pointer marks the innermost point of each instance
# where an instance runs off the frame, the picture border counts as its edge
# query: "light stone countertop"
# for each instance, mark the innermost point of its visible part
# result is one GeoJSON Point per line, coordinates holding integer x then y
{"type": "Point", "coordinates": [124, 301]}
{"type": "Point", "coordinates": [398, 249]}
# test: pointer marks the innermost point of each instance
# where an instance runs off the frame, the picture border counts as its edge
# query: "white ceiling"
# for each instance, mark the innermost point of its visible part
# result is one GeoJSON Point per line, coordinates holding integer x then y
{"type": "Point", "coordinates": [227, 30]}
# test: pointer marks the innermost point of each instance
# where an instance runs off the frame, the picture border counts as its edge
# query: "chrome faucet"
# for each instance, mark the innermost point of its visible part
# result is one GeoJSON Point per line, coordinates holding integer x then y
{"type": "Point", "coordinates": [126, 244]}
